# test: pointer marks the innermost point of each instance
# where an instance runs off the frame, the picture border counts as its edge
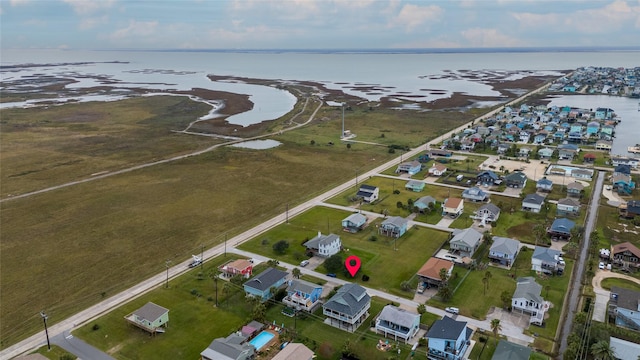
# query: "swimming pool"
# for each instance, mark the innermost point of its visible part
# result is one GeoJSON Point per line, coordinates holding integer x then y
{"type": "Point", "coordinates": [261, 340]}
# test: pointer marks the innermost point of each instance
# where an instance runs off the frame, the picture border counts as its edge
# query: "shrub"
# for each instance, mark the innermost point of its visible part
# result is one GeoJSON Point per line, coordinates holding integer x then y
{"type": "Point", "coordinates": [95, 327]}
{"type": "Point", "coordinates": [365, 277]}
{"type": "Point", "coordinates": [373, 238]}
{"type": "Point", "coordinates": [281, 246]}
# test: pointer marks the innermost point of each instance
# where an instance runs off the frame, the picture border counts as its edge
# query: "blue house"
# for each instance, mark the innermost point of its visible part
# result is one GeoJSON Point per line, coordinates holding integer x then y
{"type": "Point", "coordinates": [604, 113]}
{"type": "Point", "coordinates": [625, 304]}
{"type": "Point", "coordinates": [504, 250]}
{"type": "Point", "coordinates": [424, 202]}
{"type": "Point", "coordinates": [474, 194]}
{"type": "Point", "coordinates": [261, 284]}
{"type": "Point", "coordinates": [398, 323]}
{"type": "Point", "coordinates": [448, 339]}
{"type": "Point", "coordinates": [354, 222]}
{"type": "Point", "coordinates": [623, 184]}
{"type": "Point", "coordinates": [487, 177]}
{"type": "Point", "coordinates": [544, 184]}
{"type": "Point", "coordinates": [415, 185]}
{"type": "Point", "coordinates": [394, 226]}
{"type": "Point", "coordinates": [593, 127]}
{"type": "Point", "coordinates": [569, 88]}
{"type": "Point", "coordinates": [409, 167]}
{"type": "Point", "coordinates": [561, 229]}
{"type": "Point", "coordinates": [539, 138]}
{"type": "Point", "coordinates": [303, 295]}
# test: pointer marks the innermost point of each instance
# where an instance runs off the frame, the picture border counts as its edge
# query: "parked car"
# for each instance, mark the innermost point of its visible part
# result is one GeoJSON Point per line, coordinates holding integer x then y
{"type": "Point", "coordinates": [601, 266]}
{"type": "Point", "coordinates": [304, 263]}
{"type": "Point", "coordinates": [331, 275]}
{"type": "Point", "coordinates": [452, 310]}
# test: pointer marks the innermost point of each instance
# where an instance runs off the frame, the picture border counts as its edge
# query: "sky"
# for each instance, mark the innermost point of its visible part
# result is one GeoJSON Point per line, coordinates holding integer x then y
{"type": "Point", "coordinates": [317, 24]}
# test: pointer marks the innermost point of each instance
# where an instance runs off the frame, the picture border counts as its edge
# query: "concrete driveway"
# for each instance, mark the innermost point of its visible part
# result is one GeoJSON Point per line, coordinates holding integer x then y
{"type": "Point", "coordinates": [602, 295]}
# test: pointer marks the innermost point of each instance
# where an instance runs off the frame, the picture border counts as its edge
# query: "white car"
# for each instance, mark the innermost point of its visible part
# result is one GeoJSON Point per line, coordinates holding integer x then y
{"type": "Point", "coordinates": [452, 310]}
{"type": "Point", "coordinates": [601, 266]}
{"type": "Point", "coordinates": [304, 263]}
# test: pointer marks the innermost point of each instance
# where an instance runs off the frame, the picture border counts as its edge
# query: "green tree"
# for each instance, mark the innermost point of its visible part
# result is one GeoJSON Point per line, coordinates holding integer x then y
{"type": "Point", "coordinates": [602, 350]}
{"type": "Point", "coordinates": [445, 293]}
{"type": "Point", "coordinates": [505, 297]}
{"type": "Point", "coordinates": [296, 273]}
{"type": "Point", "coordinates": [496, 327]}
{"type": "Point", "coordinates": [444, 277]}
{"type": "Point", "coordinates": [258, 311]}
{"type": "Point", "coordinates": [485, 282]}
{"type": "Point", "coordinates": [334, 263]}
{"type": "Point", "coordinates": [273, 262]}
{"type": "Point", "coordinates": [422, 309]}
{"type": "Point", "coordinates": [488, 275]}
{"type": "Point", "coordinates": [281, 247]}
{"type": "Point", "coordinates": [539, 232]}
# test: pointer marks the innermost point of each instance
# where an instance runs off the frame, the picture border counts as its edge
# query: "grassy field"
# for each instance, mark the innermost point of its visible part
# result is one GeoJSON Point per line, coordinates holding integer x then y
{"type": "Point", "coordinates": [190, 300]}
{"type": "Point", "coordinates": [615, 229]}
{"type": "Point", "coordinates": [610, 282]}
{"type": "Point", "coordinates": [91, 240]}
{"type": "Point", "coordinates": [379, 259]}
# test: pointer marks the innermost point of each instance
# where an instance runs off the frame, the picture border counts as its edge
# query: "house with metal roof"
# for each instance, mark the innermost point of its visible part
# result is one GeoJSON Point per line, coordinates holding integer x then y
{"type": "Point", "coordinates": [425, 202]}
{"type": "Point", "coordinates": [397, 323]}
{"type": "Point", "coordinates": [448, 339]}
{"type": "Point", "coordinates": [504, 250]}
{"type": "Point", "coordinates": [624, 306]}
{"type": "Point", "coordinates": [574, 189]}
{"type": "Point", "coordinates": [233, 347]}
{"type": "Point", "coordinates": [409, 167]}
{"type": "Point", "coordinates": [560, 229]}
{"type": "Point", "coordinates": [150, 317]}
{"type": "Point", "coordinates": [629, 209]}
{"type": "Point", "coordinates": [393, 226]}
{"type": "Point", "coordinates": [354, 222]}
{"type": "Point", "coordinates": [239, 267]}
{"type": "Point", "coordinates": [465, 241]}
{"type": "Point", "coordinates": [368, 193]}
{"type": "Point", "coordinates": [533, 203]}
{"type": "Point", "coordinates": [516, 179]}
{"type": "Point", "coordinates": [295, 351]}
{"type": "Point", "coordinates": [348, 308]}
{"type": "Point", "coordinates": [324, 245]}
{"type": "Point", "coordinates": [527, 299]}
{"type": "Point", "coordinates": [487, 213]}
{"type": "Point", "coordinates": [303, 295]}
{"type": "Point", "coordinates": [546, 260]}
{"type": "Point", "coordinates": [475, 194]}
{"type": "Point", "coordinates": [488, 178]}
{"type": "Point", "coordinates": [507, 350]}
{"type": "Point", "coordinates": [261, 284]}
{"type": "Point", "coordinates": [437, 169]}
{"type": "Point", "coordinates": [568, 207]}
{"type": "Point", "coordinates": [544, 184]}
{"type": "Point", "coordinates": [415, 185]}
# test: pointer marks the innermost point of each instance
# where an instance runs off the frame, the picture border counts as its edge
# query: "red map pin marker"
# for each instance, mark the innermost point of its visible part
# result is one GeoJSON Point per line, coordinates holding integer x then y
{"type": "Point", "coordinates": [352, 264]}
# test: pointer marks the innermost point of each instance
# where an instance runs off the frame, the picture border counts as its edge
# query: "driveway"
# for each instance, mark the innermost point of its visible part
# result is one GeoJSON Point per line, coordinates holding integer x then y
{"type": "Point", "coordinates": [602, 295]}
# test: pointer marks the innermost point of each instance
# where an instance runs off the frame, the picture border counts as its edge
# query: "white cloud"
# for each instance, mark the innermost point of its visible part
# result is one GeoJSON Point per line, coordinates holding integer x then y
{"type": "Point", "coordinates": [91, 22]}
{"type": "Point", "coordinates": [135, 30]}
{"type": "Point", "coordinates": [613, 16]}
{"type": "Point", "coordinates": [19, 2]}
{"type": "Point", "coordinates": [87, 7]}
{"type": "Point", "coordinates": [412, 16]}
{"type": "Point", "coordinates": [531, 20]}
{"type": "Point", "coordinates": [479, 37]}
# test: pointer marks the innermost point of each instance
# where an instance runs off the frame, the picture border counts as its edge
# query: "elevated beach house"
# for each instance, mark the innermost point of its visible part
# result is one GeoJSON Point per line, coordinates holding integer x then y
{"type": "Point", "coordinates": [560, 229]}
{"type": "Point", "coordinates": [348, 308]}
{"type": "Point", "coordinates": [354, 222]}
{"type": "Point", "coordinates": [368, 193]}
{"type": "Point", "coordinates": [504, 250]}
{"type": "Point", "coordinates": [394, 226]}
{"type": "Point", "coordinates": [624, 307]}
{"type": "Point", "coordinates": [465, 241]}
{"type": "Point", "coordinates": [475, 194]}
{"type": "Point", "coordinates": [452, 207]}
{"type": "Point", "coordinates": [303, 295]}
{"type": "Point", "coordinates": [260, 285]}
{"type": "Point", "coordinates": [429, 273]}
{"type": "Point", "coordinates": [547, 260]}
{"type": "Point", "coordinates": [448, 339]}
{"type": "Point", "coordinates": [527, 299]}
{"type": "Point", "coordinates": [409, 167]}
{"type": "Point", "coordinates": [151, 318]}
{"type": "Point", "coordinates": [397, 323]}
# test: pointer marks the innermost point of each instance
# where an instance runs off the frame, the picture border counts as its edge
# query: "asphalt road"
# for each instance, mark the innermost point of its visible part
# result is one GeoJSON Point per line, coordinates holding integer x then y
{"type": "Point", "coordinates": [78, 347]}
{"type": "Point", "coordinates": [576, 284]}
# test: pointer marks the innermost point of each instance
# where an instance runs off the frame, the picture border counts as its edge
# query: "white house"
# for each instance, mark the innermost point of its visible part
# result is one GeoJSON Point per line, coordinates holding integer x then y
{"type": "Point", "coordinates": [527, 299]}
{"type": "Point", "coordinates": [324, 246]}
{"type": "Point", "coordinates": [368, 193]}
{"type": "Point", "coordinates": [437, 169]}
{"type": "Point", "coordinates": [398, 323]}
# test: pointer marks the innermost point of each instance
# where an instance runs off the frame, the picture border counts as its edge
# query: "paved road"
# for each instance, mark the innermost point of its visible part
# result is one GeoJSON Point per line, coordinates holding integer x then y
{"type": "Point", "coordinates": [78, 347]}
{"type": "Point", "coordinates": [145, 286]}
{"type": "Point", "coordinates": [576, 284]}
{"type": "Point", "coordinates": [602, 295]}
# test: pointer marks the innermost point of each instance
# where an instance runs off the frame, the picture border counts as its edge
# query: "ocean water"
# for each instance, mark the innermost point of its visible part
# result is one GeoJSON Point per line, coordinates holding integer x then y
{"type": "Point", "coordinates": [413, 75]}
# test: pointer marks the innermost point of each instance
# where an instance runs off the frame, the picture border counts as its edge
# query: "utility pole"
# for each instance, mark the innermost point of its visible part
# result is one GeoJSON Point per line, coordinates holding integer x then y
{"type": "Point", "coordinates": [166, 264]}
{"type": "Point", "coordinates": [201, 257]}
{"type": "Point", "coordinates": [225, 244]}
{"type": "Point", "coordinates": [287, 213]}
{"type": "Point", "coordinates": [342, 134]}
{"type": "Point", "coordinates": [46, 331]}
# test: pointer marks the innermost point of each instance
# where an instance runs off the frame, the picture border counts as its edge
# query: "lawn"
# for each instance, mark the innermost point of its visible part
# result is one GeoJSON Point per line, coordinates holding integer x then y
{"type": "Point", "coordinates": [388, 201]}
{"type": "Point", "coordinates": [623, 283]}
{"type": "Point", "coordinates": [615, 229]}
{"type": "Point", "coordinates": [379, 259]}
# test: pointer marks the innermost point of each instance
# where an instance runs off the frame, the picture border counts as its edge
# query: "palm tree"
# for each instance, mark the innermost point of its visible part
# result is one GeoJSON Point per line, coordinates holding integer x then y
{"type": "Point", "coordinates": [496, 327]}
{"type": "Point", "coordinates": [602, 350]}
{"type": "Point", "coordinates": [488, 276]}
{"type": "Point", "coordinates": [444, 276]}
{"type": "Point", "coordinates": [296, 273]}
{"type": "Point", "coordinates": [485, 281]}
{"type": "Point", "coordinates": [538, 232]}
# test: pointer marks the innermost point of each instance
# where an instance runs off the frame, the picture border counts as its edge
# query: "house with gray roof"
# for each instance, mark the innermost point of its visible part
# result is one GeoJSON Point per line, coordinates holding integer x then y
{"type": "Point", "coordinates": [398, 323]}
{"type": "Point", "coordinates": [545, 153]}
{"type": "Point", "coordinates": [151, 317]}
{"type": "Point", "coordinates": [295, 351]}
{"type": "Point", "coordinates": [624, 306]}
{"type": "Point", "coordinates": [504, 250]}
{"type": "Point", "coordinates": [507, 350]}
{"type": "Point", "coordinates": [324, 245]}
{"type": "Point", "coordinates": [568, 207]}
{"type": "Point", "coordinates": [516, 179]}
{"type": "Point", "coordinates": [424, 203]}
{"type": "Point", "coordinates": [354, 222]}
{"type": "Point", "coordinates": [623, 349]}
{"type": "Point", "coordinates": [448, 339]}
{"type": "Point", "coordinates": [233, 347]}
{"type": "Point", "coordinates": [487, 213]}
{"type": "Point", "coordinates": [393, 226]}
{"type": "Point", "coordinates": [465, 241]}
{"type": "Point", "coordinates": [303, 295]}
{"type": "Point", "coordinates": [533, 203]}
{"type": "Point", "coordinates": [348, 308]}
{"type": "Point", "coordinates": [527, 299]}
{"type": "Point", "coordinates": [547, 260]}
{"type": "Point", "coordinates": [574, 189]}
{"type": "Point", "coordinates": [475, 194]}
{"type": "Point", "coordinates": [261, 284]}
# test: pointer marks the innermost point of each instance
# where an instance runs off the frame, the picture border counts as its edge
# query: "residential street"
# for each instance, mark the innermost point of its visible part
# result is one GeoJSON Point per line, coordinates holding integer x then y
{"type": "Point", "coordinates": [159, 279]}
{"type": "Point", "coordinates": [78, 347]}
